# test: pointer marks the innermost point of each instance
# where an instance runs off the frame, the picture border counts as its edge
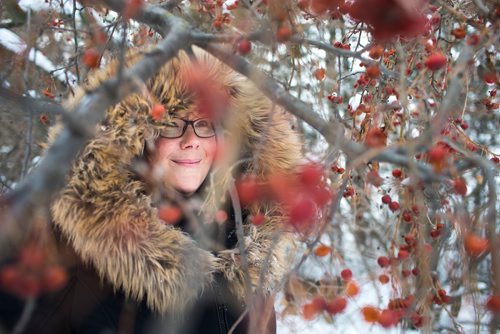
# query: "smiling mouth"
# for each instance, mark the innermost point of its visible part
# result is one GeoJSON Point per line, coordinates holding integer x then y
{"type": "Point", "coordinates": [187, 163]}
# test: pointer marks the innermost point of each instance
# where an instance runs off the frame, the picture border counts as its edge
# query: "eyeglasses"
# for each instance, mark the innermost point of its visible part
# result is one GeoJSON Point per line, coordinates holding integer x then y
{"type": "Point", "coordinates": [176, 128]}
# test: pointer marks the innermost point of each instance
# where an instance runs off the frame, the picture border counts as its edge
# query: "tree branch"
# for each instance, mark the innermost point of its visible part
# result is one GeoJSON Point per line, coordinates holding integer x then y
{"type": "Point", "coordinates": [27, 104]}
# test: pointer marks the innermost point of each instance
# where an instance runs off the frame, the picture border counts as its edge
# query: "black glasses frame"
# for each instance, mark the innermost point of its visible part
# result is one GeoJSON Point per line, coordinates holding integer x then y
{"type": "Point", "coordinates": [186, 124]}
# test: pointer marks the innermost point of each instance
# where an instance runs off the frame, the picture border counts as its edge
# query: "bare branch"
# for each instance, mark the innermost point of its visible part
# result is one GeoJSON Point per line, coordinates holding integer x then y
{"type": "Point", "coordinates": [27, 104]}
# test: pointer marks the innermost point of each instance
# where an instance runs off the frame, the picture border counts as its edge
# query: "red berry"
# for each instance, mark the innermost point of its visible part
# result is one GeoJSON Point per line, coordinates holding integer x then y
{"type": "Point", "coordinates": [132, 7]}
{"type": "Point", "coordinates": [473, 39]}
{"type": "Point", "coordinates": [435, 233]}
{"type": "Point", "coordinates": [410, 239]}
{"type": "Point", "coordinates": [91, 58]}
{"type": "Point", "coordinates": [351, 289]}
{"type": "Point", "coordinates": [157, 112]}
{"type": "Point", "coordinates": [309, 311]}
{"type": "Point", "coordinates": [459, 33]}
{"type": "Point", "coordinates": [303, 4]}
{"type": "Point", "coordinates": [320, 74]}
{"type": "Point", "coordinates": [388, 318]}
{"type": "Point", "coordinates": [475, 245]}
{"type": "Point", "coordinates": [258, 219]}
{"type": "Point", "coordinates": [311, 174]}
{"type": "Point", "coordinates": [370, 313]}
{"type": "Point", "coordinates": [319, 302]}
{"type": "Point", "coordinates": [384, 279]}
{"type": "Point", "coordinates": [48, 93]}
{"type": "Point", "coordinates": [407, 216]}
{"type": "Point", "coordinates": [32, 256]}
{"type": "Point", "coordinates": [248, 190]}
{"type": "Point", "coordinates": [322, 196]}
{"type": "Point", "coordinates": [386, 199]}
{"type": "Point", "coordinates": [54, 278]}
{"type": "Point", "coordinates": [375, 138]}
{"type": "Point", "coordinates": [349, 191]}
{"type": "Point", "coordinates": [383, 261]}
{"type": "Point", "coordinates": [417, 320]}
{"type": "Point", "coordinates": [376, 52]}
{"type": "Point", "coordinates": [397, 173]}
{"type": "Point", "coordinates": [435, 19]}
{"type": "Point", "coordinates": [460, 186]}
{"type": "Point", "coordinates": [221, 216]}
{"type": "Point", "coordinates": [394, 206]}
{"type": "Point", "coordinates": [317, 305]}
{"type": "Point", "coordinates": [9, 275]}
{"type": "Point", "coordinates": [493, 304]}
{"type": "Point", "coordinates": [336, 305]}
{"type": "Point", "coordinates": [283, 34]}
{"type": "Point", "coordinates": [217, 24]}
{"type": "Point", "coordinates": [435, 61]}
{"type": "Point", "coordinates": [170, 214]}
{"type": "Point", "coordinates": [373, 72]}
{"type": "Point", "coordinates": [28, 286]}
{"type": "Point", "coordinates": [346, 274]}
{"type": "Point", "coordinates": [244, 46]}
{"type": "Point", "coordinates": [490, 78]}
{"type": "Point", "coordinates": [302, 213]}
{"type": "Point", "coordinates": [437, 154]}
{"type": "Point", "coordinates": [403, 254]}
{"type": "Point", "coordinates": [44, 119]}
{"type": "Point", "coordinates": [322, 250]}
{"type": "Point", "coordinates": [408, 301]}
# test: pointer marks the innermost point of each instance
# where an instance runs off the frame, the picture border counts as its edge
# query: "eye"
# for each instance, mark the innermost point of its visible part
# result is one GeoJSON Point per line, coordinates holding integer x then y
{"type": "Point", "coordinates": [203, 123]}
{"type": "Point", "coordinates": [173, 124]}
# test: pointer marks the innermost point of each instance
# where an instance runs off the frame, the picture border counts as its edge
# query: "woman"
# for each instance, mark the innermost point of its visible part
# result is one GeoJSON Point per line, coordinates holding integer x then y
{"type": "Point", "coordinates": [129, 270]}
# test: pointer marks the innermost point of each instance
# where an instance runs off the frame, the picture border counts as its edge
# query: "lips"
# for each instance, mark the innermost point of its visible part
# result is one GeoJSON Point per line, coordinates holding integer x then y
{"type": "Point", "coordinates": [187, 162]}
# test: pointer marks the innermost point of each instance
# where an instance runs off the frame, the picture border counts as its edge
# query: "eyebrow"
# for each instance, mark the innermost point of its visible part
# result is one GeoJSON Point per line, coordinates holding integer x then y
{"type": "Point", "coordinates": [192, 119]}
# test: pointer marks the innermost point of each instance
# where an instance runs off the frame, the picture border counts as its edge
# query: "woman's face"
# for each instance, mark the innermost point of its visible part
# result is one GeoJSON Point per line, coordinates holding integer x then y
{"type": "Point", "coordinates": [184, 161]}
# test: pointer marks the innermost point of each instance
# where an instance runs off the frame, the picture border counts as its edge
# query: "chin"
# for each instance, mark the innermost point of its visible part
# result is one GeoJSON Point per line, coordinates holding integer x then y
{"type": "Point", "coordinates": [187, 188]}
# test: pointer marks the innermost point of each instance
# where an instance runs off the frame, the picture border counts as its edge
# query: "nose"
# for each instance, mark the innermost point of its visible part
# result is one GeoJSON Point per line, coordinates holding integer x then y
{"type": "Point", "coordinates": [189, 139]}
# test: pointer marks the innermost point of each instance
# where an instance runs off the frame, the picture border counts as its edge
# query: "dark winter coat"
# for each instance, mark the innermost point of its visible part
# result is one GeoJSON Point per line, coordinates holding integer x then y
{"type": "Point", "coordinates": [129, 271]}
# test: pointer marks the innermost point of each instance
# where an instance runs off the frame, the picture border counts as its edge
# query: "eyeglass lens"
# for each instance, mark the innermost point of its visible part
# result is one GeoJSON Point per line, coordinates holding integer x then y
{"type": "Point", "coordinates": [176, 127]}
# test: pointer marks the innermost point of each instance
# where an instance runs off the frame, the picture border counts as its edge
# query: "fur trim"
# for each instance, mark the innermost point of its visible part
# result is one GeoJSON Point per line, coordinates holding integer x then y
{"type": "Point", "coordinates": [109, 219]}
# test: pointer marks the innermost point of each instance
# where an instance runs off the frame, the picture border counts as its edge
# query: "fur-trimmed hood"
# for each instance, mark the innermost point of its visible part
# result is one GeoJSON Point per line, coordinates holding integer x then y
{"type": "Point", "coordinates": [110, 219]}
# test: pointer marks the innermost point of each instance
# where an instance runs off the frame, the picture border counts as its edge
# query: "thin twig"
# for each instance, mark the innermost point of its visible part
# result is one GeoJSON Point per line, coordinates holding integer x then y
{"type": "Point", "coordinates": [75, 39]}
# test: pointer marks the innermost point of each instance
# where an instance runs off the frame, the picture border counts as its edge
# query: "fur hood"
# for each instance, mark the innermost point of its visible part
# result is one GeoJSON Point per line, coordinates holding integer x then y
{"type": "Point", "coordinates": [109, 219]}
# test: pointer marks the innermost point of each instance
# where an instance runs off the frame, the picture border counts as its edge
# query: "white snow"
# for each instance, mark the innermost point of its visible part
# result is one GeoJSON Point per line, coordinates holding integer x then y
{"type": "Point", "coordinates": [14, 43]}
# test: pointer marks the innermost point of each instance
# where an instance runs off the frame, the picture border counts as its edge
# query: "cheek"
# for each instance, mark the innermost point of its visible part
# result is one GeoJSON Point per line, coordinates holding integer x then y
{"type": "Point", "coordinates": [163, 149]}
{"type": "Point", "coordinates": [211, 148]}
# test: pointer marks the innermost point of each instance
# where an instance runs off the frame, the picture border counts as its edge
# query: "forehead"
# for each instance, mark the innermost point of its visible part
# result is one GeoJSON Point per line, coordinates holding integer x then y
{"type": "Point", "coordinates": [189, 115]}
